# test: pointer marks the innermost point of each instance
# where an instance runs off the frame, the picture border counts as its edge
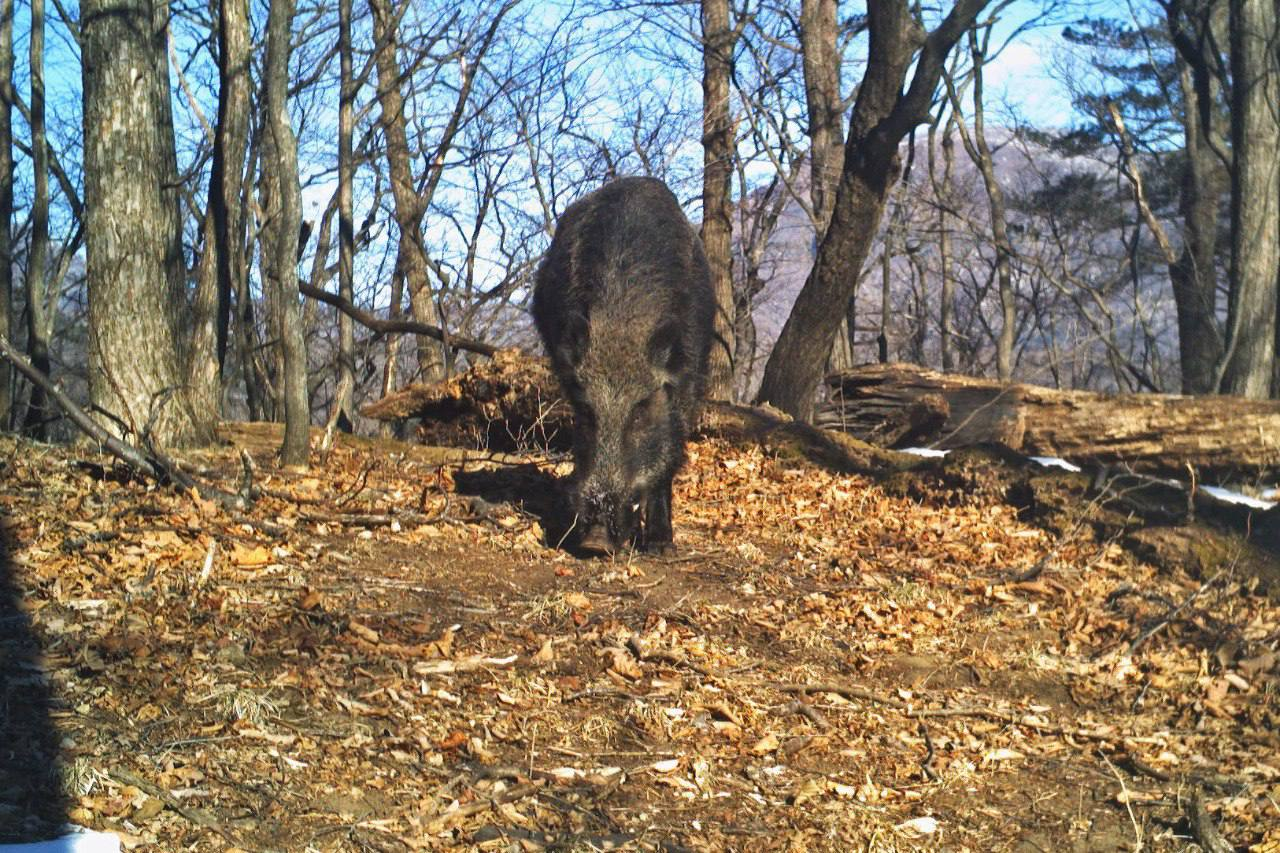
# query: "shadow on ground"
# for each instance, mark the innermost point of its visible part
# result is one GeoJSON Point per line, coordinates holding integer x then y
{"type": "Point", "coordinates": [33, 805]}
{"type": "Point", "coordinates": [527, 488]}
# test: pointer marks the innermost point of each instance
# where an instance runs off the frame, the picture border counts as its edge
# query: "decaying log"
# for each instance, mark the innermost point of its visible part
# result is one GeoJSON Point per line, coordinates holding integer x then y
{"type": "Point", "coordinates": [897, 405]}
{"type": "Point", "coordinates": [510, 402]}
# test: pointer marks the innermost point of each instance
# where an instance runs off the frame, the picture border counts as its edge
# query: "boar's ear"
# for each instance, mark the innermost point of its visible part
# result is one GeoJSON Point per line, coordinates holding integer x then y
{"type": "Point", "coordinates": [666, 351]}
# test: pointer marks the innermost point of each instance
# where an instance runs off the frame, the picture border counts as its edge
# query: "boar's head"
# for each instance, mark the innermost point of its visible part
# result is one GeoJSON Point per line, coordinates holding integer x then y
{"type": "Point", "coordinates": [629, 434]}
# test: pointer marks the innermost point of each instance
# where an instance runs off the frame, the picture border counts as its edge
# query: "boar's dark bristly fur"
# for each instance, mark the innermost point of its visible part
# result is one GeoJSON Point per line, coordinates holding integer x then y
{"type": "Point", "coordinates": [624, 304]}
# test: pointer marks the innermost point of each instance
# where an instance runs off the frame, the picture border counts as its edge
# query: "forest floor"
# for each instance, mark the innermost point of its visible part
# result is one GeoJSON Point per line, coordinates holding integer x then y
{"type": "Point", "coordinates": [383, 653]}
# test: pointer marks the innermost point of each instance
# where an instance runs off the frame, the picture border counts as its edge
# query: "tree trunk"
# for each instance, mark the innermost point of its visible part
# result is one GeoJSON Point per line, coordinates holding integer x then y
{"type": "Point", "coordinates": [204, 378]}
{"type": "Point", "coordinates": [718, 41]}
{"type": "Point", "coordinates": [284, 215]}
{"type": "Point", "coordinates": [134, 262]}
{"type": "Point", "coordinates": [882, 115]}
{"type": "Point", "coordinates": [6, 205]}
{"type": "Point", "coordinates": [947, 296]}
{"type": "Point", "coordinates": [1193, 274]}
{"type": "Point", "coordinates": [223, 265]}
{"type": "Point", "coordinates": [979, 152]}
{"type": "Point", "coordinates": [411, 256]}
{"type": "Point", "coordinates": [230, 151]}
{"type": "Point", "coordinates": [389, 369]}
{"type": "Point", "coordinates": [346, 378]}
{"type": "Point", "coordinates": [821, 59]}
{"type": "Point", "coordinates": [903, 405]}
{"type": "Point", "coordinates": [39, 323]}
{"type": "Point", "coordinates": [1255, 199]}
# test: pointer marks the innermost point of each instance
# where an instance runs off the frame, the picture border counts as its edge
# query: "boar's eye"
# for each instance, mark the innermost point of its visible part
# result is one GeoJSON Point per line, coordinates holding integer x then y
{"type": "Point", "coordinates": [646, 409]}
{"type": "Point", "coordinates": [666, 351]}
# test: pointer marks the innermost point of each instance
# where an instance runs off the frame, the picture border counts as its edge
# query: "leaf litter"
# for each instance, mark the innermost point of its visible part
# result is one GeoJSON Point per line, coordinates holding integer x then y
{"type": "Point", "coordinates": [385, 653]}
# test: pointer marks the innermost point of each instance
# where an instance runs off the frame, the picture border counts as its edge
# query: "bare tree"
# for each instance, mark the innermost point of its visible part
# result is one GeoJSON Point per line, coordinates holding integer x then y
{"type": "Point", "coordinates": [283, 217]}
{"type": "Point", "coordinates": [227, 176]}
{"type": "Point", "coordinates": [883, 114]}
{"type": "Point", "coordinates": [39, 311]}
{"type": "Point", "coordinates": [413, 196]}
{"type": "Point", "coordinates": [134, 256]}
{"type": "Point", "coordinates": [979, 151]}
{"type": "Point", "coordinates": [941, 186]}
{"type": "Point", "coordinates": [820, 54]}
{"type": "Point", "coordinates": [719, 37]}
{"type": "Point", "coordinates": [1196, 30]}
{"type": "Point", "coordinates": [1255, 199]}
{"type": "Point", "coordinates": [344, 395]}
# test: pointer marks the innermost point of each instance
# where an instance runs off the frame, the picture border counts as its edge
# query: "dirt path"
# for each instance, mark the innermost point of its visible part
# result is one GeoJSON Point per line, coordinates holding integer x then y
{"type": "Point", "coordinates": [383, 654]}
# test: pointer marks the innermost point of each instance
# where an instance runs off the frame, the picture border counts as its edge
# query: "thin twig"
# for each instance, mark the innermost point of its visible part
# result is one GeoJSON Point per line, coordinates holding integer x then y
{"type": "Point", "coordinates": [1125, 798]}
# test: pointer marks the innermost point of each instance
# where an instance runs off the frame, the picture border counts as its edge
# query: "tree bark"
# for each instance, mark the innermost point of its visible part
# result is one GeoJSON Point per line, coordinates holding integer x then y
{"type": "Point", "coordinates": [718, 40]}
{"type": "Point", "coordinates": [222, 264]}
{"type": "Point", "coordinates": [284, 217]}
{"type": "Point", "coordinates": [882, 115]}
{"type": "Point", "coordinates": [1193, 274]}
{"type": "Point", "coordinates": [39, 323]}
{"type": "Point", "coordinates": [947, 295]}
{"type": "Point", "coordinates": [411, 255]}
{"type": "Point", "coordinates": [134, 262]}
{"type": "Point", "coordinates": [979, 151]}
{"type": "Point", "coordinates": [204, 378]}
{"type": "Point", "coordinates": [902, 405]}
{"type": "Point", "coordinates": [346, 378]}
{"type": "Point", "coordinates": [820, 56]}
{"type": "Point", "coordinates": [1255, 199]}
{"type": "Point", "coordinates": [6, 205]}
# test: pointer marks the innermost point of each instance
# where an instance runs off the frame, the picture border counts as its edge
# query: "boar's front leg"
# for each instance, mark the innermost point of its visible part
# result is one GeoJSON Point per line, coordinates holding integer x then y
{"type": "Point", "coordinates": [657, 520]}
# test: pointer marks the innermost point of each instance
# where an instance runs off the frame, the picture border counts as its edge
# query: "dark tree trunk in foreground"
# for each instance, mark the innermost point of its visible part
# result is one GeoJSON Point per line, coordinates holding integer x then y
{"type": "Point", "coordinates": [6, 204]}
{"type": "Point", "coordinates": [284, 217]}
{"type": "Point", "coordinates": [134, 260]}
{"type": "Point", "coordinates": [882, 116]}
{"type": "Point", "coordinates": [1255, 199]}
{"type": "Point", "coordinates": [718, 39]}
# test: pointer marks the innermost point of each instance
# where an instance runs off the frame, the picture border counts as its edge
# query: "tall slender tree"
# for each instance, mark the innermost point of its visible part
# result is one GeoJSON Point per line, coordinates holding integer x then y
{"type": "Point", "coordinates": [719, 36]}
{"type": "Point", "coordinates": [1255, 199]}
{"type": "Point", "coordinates": [344, 394]}
{"type": "Point", "coordinates": [821, 63]}
{"type": "Point", "coordinates": [979, 151]}
{"type": "Point", "coordinates": [284, 218]}
{"type": "Point", "coordinates": [227, 176]}
{"type": "Point", "coordinates": [38, 309]}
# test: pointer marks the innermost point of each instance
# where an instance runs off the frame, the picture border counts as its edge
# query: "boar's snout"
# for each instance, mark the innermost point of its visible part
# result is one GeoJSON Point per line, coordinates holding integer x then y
{"type": "Point", "coordinates": [608, 523]}
{"type": "Point", "coordinates": [595, 541]}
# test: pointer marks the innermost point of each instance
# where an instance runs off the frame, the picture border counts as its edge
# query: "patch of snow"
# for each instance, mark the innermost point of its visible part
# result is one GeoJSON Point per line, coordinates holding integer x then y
{"type": "Point", "coordinates": [77, 840]}
{"type": "Point", "coordinates": [1228, 496]}
{"type": "Point", "coordinates": [1055, 462]}
{"type": "Point", "coordinates": [923, 451]}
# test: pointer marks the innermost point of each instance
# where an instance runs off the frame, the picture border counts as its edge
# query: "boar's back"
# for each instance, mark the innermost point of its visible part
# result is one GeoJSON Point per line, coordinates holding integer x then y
{"type": "Point", "coordinates": [626, 271]}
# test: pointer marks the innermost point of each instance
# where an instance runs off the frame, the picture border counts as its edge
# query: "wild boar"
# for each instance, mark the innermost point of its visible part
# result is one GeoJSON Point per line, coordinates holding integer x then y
{"type": "Point", "coordinates": [624, 304]}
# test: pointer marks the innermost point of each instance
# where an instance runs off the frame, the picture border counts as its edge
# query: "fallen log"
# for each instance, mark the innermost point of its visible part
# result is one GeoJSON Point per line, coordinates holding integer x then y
{"type": "Point", "coordinates": [900, 405]}
{"type": "Point", "coordinates": [511, 402]}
